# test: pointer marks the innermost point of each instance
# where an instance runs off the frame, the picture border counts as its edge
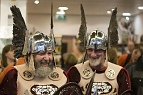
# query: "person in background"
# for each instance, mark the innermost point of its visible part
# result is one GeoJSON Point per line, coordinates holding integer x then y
{"type": "Point", "coordinates": [7, 55]}
{"type": "Point", "coordinates": [130, 47]}
{"type": "Point", "coordinates": [135, 70]}
{"type": "Point", "coordinates": [69, 60]}
{"type": "Point", "coordinates": [97, 74]}
{"type": "Point", "coordinates": [128, 58]}
{"type": "Point", "coordinates": [112, 55]}
{"type": "Point", "coordinates": [123, 30]}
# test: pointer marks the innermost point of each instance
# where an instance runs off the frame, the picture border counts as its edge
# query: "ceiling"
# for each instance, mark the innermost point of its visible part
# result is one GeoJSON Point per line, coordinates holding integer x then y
{"type": "Point", "coordinates": [91, 7]}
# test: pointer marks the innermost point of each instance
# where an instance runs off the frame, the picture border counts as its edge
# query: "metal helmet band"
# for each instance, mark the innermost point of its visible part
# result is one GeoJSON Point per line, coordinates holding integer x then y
{"type": "Point", "coordinates": [97, 40]}
{"type": "Point", "coordinates": [40, 42]}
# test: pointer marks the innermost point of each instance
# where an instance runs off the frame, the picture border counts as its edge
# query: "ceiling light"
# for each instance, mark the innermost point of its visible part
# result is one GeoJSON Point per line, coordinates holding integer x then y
{"type": "Point", "coordinates": [126, 14]}
{"type": "Point", "coordinates": [140, 7]}
{"type": "Point", "coordinates": [60, 12]}
{"type": "Point", "coordinates": [112, 9]}
{"type": "Point", "coordinates": [36, 1]}
{"type": "Point", "coordinates": [127, 18]}
{"type": "Point", "coordinates": [63, 8]}
{"type": "Point", "coordinates": [108, 12]}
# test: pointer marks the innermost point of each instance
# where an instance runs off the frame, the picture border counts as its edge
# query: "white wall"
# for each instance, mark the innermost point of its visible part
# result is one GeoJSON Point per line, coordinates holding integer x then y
{"type": "Point", "coordinates": [6, 19]}
{"type": "Point", "coordinates": [68, 27]}
{"type": "Point", "coordinates": [139, 26]}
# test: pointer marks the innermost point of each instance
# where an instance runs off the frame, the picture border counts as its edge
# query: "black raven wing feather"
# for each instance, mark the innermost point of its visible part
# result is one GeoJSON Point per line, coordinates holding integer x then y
{"type": "Point", "coordinates": [83, 28]}
{"type": "Point", "coordinates": [112, 30]}
{"type": "Point", "coordinates": [19, 31]}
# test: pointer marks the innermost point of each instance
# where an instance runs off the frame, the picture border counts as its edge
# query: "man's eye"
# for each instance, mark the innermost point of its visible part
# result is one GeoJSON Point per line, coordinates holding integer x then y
{"type": "Point", "coordinates": [99, 50]}
{"type": "Point", "coordinates": [90, 49]}
{"type": "Point", "coordinates": [41, 53]}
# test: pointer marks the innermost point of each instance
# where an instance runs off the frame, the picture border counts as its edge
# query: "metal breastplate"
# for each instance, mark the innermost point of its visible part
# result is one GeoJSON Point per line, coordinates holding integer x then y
{"type": "Point", "coordinates": [40, 86]}
{"type": "Point", "coordinates": [104, 83]}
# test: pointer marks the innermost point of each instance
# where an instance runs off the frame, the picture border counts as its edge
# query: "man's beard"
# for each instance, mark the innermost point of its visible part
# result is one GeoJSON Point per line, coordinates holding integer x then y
{"type": "Point", "coordinates": [95, 61]}
{"type": "Point", "coordinates": [43, 71]}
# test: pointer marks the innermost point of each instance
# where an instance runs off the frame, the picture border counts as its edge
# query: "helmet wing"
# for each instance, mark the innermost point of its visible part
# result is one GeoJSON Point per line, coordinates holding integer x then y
{"type": "Point", "coordinates": [112, 30]}
{"type": "Point", "coordinates": [83, 28]}
{"type": "Point", "coordinates": [19, 31]}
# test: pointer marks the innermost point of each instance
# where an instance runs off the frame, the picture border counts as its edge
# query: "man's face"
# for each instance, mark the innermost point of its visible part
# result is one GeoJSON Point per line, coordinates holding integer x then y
{"type": "Point", "coordinates": [96, 57]}
{"type": "Point", "coordinates": [130, 46]}
{"type": "Point", "coordinates": [43, 63]}
{"type": "Point", "coordinates": [136, 54]}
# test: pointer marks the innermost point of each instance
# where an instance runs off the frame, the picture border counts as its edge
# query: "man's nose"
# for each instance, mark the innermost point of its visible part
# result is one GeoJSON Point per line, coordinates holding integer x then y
{"type": "Point", "coordinates": [93, 53]}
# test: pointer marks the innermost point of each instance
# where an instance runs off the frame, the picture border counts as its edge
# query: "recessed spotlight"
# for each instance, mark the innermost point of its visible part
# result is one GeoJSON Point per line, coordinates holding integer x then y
{"type": "Point", "coordinates": [126, 14]}
{"type": "Point", "coordinates": [63, 8]}
{"type": "Point", "coordinates": [36, 1]}
{"type": "Point", "coordinates": [140, 7]}
{"type": "Point", "coordinates": [108, 12]}
{"type": "Point", "coordinates": [127, 18]}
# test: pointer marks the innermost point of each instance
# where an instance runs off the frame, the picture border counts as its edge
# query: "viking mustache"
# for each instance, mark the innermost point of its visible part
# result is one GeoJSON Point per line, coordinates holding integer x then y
{"type": "Point", "coordinates": [45, 61]}
{"type": "Point", "coordinates": [48, 62]}
{"type": "Point", "coordinates": [95, 57]}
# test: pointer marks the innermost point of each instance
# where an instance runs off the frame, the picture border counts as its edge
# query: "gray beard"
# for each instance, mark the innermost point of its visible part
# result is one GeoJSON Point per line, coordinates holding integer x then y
{"type": "Point", "coordinates": [43, 71]}
{"type": "Point", "coordinates": [95, 62]}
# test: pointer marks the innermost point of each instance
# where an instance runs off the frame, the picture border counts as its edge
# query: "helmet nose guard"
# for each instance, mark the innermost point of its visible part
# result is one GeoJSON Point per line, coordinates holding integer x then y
{"type": "Point", "coordinates": [39, 42]}
{"type": "Point", "coordinates": [97, 40]}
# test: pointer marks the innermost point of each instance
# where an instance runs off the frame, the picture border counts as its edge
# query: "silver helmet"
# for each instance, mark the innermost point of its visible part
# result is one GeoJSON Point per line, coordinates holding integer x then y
{"type": "Point", "coordinates": [97, 40]}
{"type": "Point", "coordinates": [39, 42]}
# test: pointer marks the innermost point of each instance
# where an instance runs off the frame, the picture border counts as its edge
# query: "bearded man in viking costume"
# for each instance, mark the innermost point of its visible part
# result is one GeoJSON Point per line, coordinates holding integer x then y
{"type": "Point", "coordinates": [97, 76]}
{"type": "Point", "coordinates": [39, 75]}
{"type": "Point", "coordinates": [109, 79]}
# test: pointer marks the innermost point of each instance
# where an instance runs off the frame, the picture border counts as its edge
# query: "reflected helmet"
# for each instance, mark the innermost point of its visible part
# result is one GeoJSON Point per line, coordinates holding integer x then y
{"type": "Point", "coordinates": [97, 40]}
{"type": "Point", "coordinates": [40, 42]}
